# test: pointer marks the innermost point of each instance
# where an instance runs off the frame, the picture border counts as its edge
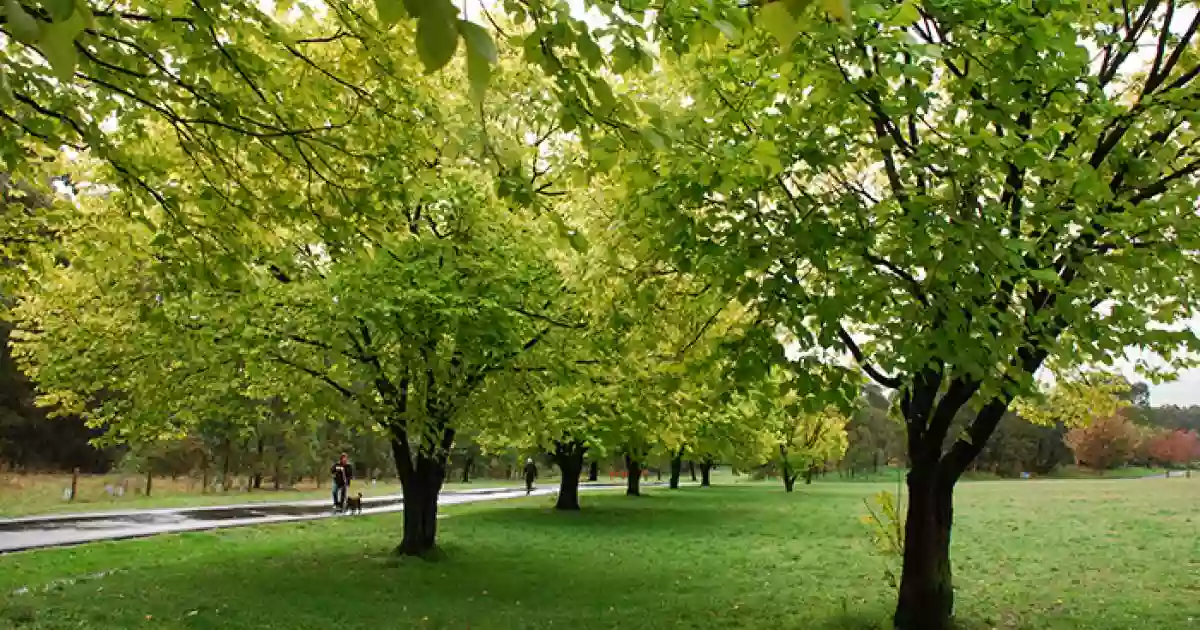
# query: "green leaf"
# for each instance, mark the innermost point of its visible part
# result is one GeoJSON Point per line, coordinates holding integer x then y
{"type": "Point", "coordinates": [589, 50]}
{"type": "Point", "coordinates": [479, 41]}
{"type": "Point", "coordinates": [1044, 276]}
{"type": "Point", "coordinates": [655, 139]}
{"type": "Point", "coordinates": [727, 29]}
{"type": "Point", "coordinates": [907, 15]}
{"type": "Point", "coordinates": [21, 24]}
{"type": "Point", "coordinates": [391, 11]}
{"type": "Point", "coordinates": [479, 74]}
{"type": "Point", "coordinates": [416, 8]}
{"type": "Point", "coordinates": [578, 242]}
{"type": "Point", "coordinates": [58, 45]}
{"type": "Point", "coordinates": [59, 10]}
{"type": "Point", "coordinates": [777, 19]}
{"type": "Point", "coordinates": [437, 35]}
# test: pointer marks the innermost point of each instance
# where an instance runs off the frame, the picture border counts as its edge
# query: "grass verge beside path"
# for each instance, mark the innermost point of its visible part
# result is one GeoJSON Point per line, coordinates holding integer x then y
{"type": "Point", "coordinates": [1101, 555]}
{"type": "Point", "coordinates": [34, 495]}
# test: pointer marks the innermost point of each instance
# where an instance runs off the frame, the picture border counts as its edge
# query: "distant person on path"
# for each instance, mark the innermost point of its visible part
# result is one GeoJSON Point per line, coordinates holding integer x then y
{"type": "Point", "coordinates": [530, 475]}
{"type": "Point", "coordinates": [342, 473]}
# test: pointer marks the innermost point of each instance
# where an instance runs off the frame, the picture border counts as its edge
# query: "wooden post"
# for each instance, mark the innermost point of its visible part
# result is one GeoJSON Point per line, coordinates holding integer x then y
{"type": "Point", "coordinates": [74, 483]}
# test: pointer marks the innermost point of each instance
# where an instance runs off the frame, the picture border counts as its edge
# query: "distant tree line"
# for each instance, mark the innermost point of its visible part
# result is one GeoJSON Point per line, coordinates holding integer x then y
{"type": "Point", "coordinates": [1141, 434]}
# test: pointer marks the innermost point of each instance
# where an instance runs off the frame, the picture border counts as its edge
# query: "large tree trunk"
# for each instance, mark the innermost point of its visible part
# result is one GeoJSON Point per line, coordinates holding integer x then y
{"type": "Point", "coordinates": [634, 468]}
{"type": "Point", "coordinates": [676, 469]}
{"type": "Point", "coordinates": [569, 458]}
{"type": "Point", "coordinates": [789, 481]}
{"type": "Point", "coordinates": [421, 477]}
{"type": "Point", "coordinates": [594, 471]}
{"type": "Point", "coordinates": [705, 469]}
{"type": "Point", "coordinates": [926, 589]}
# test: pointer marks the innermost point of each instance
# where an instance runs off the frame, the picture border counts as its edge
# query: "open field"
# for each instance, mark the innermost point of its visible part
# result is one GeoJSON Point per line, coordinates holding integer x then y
{"type": "Point", "coordinates": [24, 495]}
{"type": "Point", "coordinates": [1053, 554]}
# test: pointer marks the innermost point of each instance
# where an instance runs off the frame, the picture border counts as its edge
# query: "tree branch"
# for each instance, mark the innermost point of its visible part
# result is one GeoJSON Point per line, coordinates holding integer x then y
{"type": "Point", "coordinates": [887, 381]}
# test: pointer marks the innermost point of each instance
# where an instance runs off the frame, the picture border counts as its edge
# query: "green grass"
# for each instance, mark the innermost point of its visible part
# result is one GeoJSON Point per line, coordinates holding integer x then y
{"type": "Point", "coordinates": [1102, 555]}
{"type": "Point", "coordinates": [27, 495]}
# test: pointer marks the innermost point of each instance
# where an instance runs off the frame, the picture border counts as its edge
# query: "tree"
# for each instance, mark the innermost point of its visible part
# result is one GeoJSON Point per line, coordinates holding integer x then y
{"type": "Point", "coordinates": [884, 195]}
{"type": "Point", "coordinates": [1173, 448]}
{"type": "Point", "coordinates": [1107, 443]}
{"type": "Point", "coordinates": [403, 337]}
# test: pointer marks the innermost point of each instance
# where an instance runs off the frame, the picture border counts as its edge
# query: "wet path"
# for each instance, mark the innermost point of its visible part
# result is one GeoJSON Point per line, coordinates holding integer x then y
{"type": "Point", "coordinates": [35, 532]}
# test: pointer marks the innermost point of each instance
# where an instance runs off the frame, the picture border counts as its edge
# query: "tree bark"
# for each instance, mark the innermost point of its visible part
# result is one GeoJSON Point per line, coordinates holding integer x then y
{"type": "Point", "coordinates": [594, 471]}
{"type": "Point", "coordinates": [569, 458]}
{"type": "Point", "coordinates": [258, 466]}
{"type": "Point", "coordinates": [705, 469]}
{"type": "Point", "coordinates": [421, 477]}
{"type": "Point", "coordinates": [789, 480]}
{"type": "Point", "coordinates": [634, 468]}
{"type": "Point", "coordinates": [926, 588]}
{"type": "Point", "coordinates": [149, 481]}
{"type": "Point", "coordinates": [692, 468]}
{"type": "Point", "coordinates": [225, 466]}
{"type": "Point", "coordinates": [676, 469]}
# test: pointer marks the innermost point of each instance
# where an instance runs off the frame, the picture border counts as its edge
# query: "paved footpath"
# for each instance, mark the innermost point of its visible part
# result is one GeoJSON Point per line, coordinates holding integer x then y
{"type": "Point", "coordinates": [58, 530]}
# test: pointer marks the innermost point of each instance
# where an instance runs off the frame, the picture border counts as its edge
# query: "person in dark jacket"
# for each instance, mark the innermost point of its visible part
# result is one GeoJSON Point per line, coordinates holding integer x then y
{"type": "Point", "coordinates": [530, 475]}
{"type": "Point", "coordinates": [343, 473]}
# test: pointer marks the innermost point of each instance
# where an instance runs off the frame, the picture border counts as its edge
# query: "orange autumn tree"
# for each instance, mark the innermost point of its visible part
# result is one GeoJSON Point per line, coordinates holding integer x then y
{"type": "Point", "coordinates": [1107, 442]}
{"type": "Point", "coordinates": [1173, 448]}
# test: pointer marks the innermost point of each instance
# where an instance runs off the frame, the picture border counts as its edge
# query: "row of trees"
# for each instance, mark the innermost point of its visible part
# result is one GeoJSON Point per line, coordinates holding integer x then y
{"type": "Point", "coordinates": [608, 228]}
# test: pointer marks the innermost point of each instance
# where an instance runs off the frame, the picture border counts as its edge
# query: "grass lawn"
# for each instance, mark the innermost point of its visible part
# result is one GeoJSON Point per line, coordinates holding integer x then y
{"type": "Point", "coordinates": [25, 495]}
{"type": "Point", "coordinates": [1102, 554]}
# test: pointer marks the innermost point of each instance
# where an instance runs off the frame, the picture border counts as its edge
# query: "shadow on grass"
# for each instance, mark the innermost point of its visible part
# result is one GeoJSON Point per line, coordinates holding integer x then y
{"type": "Point", "coordinates": [667, 560]}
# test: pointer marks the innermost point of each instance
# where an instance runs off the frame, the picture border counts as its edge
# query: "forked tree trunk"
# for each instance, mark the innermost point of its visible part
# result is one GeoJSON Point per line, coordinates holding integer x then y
{"type": "Point", "coordinates": [421, 477]}
{"type": "Point", "coordinates": [676, 469]}
{"type": "Point", "coordinates": [634, 468]}
{"type": "Point", "coordinates": [705, 469]}
{"type": "Point", "coordinates": [594, 471]}
{"type": "Point", "coordinates": [569, 458]}
{"type": "Point", "coordinates": [789, 479]}
{"type": "Point", "coordinates": [926, 588]}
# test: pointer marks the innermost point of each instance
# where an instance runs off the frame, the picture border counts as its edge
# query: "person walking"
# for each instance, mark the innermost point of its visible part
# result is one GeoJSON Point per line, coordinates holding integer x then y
{"type": "Point", "coordinates": [343, 473]}
{"type": "Point", "coordinates": [530, 475]}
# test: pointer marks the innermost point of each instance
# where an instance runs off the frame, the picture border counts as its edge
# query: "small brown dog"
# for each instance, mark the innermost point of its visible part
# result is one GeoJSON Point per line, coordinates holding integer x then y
{"type": "Point", "coordinates": [354, 504]}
